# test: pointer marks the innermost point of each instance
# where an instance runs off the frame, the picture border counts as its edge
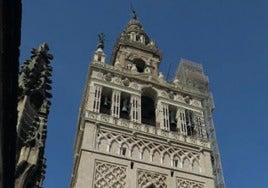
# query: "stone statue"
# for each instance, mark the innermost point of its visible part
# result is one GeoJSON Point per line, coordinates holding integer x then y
{"type": "Point", "coordinates": [101, 40]}
{"type": "Point", "coordinates": [134, 15]}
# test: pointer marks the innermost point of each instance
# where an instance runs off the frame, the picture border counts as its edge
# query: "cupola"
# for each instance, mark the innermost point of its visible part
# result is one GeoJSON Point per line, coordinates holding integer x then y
{"type": "Point", "coordinates": [135, 51]}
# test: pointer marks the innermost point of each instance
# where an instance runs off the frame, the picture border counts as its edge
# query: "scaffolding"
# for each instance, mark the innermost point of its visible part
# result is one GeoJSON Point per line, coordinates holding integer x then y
{"type": "Point", "coordinates": [192, 77]}
{"type": "Point", "coordinates": [215, 155]}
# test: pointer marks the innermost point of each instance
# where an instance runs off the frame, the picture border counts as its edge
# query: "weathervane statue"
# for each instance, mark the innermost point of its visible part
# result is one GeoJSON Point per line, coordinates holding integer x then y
{"type": "Point", "coordinates": [101, 41]}
{"type": "Point", "coordinates": [134, 15]}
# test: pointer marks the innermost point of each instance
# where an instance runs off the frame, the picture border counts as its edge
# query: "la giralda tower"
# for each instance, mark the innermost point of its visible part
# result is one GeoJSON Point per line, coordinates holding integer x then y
{"type": "Point", "coordinates": [136, 129]}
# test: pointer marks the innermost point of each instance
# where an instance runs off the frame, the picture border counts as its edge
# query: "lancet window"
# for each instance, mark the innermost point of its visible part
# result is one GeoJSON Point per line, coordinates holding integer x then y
{"type": "Point", "coordinates": [116, 103]}
{"type": "Point", "coordinates": [170, 117]}
{"type": "Point", "coordinates": [97, 99]}
{"type": "Point", "coordinates": [165, 116]}
{"type": "Point", "coordinates": [181, 118]}
{"type": "Point", "coordinates": [106, 100]}
{"type": "Point", "coordinates": [148, 107]}
{"type": "Point", "coordinates": [125, 106]}
{"type": "Point", "coordinates": [190, 123]}
{"type": "Point", "coordinates": [135, 108]}
{"type": "Point", "coordinates": [173, 119]}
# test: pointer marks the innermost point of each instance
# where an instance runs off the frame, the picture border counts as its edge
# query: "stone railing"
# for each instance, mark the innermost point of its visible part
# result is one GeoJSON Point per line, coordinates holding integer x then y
{"type": "Point", "coordinates": [146, 129]}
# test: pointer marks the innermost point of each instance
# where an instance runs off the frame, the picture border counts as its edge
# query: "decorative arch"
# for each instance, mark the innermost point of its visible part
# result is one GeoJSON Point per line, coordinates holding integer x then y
{"type": "Point", "coordinates": [135, 152]}
{"type": "Point", "coordinates": [186, 164]}
{"type": "Point", "coordinates": [103, 145]}
{"type": "Point", "coordinates": [166, 159]}
{"type": "Point", "coordinates": [138, 61]}
{"type": "Point", "coordinates": [124, 149]}
{"type": "Point", "coordinates": [114, 147]}
{"type": "Point", "coordinates": [156, 157]}
{"type": "Point", "coordinates": [146, 154]}
{"type": "Point", "coordinates": [195, 166]}
{"type": "Point", "coordinates": [148, 106]}
{"type": "Point", "coordinates": [177, 161]}
{"type": "Point", "coordinates": [140, 64]}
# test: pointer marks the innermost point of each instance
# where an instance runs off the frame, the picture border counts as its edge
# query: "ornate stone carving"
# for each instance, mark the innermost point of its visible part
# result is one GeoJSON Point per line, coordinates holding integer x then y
{"type": "Point", "coordinates": [124, 123]}
{"type": "Point", "coordinates": [153, 179]}
{"type": "Point", "coordinates": [161, 76]}
{"type": "Point", "coordinates": [148, 70]}
{"type": "Point", "coordinates": [105, 118]}
{"type": "Point", "coordinates": [185, 183]}
{"type": "Point", "coordinates": [196, 103]}
{"type": "Point", "coordinates": [134, 85]}
{"type": "Point", "coordinates": [117, 80]}
{"type": "Point", "coordinates": [109, 175]}
{"type": "Point", "coordinates": [35, 73]}
{"type": "Point", "coordinates": [126, 82]}
{"type": "Point", "coordinates": [200, 129]}
{"type": "Point", "coordinates": [139, 147]}
{"type": "Point", "coordinates": [34, 94]}
{"type": "Point", "coordinates": [164, 94]}
{"type": "Point", "coordinates": [98, 75]}
{"type": "Point", "coordinates": [176, 81]}
{"type": "Point", "coordinates": [134, 68]}
{"type": "Point", "coordinates": [108, 77]}
{"type": "Point", "coordinates": [179, 97]}
{"type": "Point", "coordinates": [117, 63]}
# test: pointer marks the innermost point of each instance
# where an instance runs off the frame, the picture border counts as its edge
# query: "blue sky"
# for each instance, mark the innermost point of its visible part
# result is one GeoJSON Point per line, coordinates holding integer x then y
{"type": "Point", "coordinates": [229, 37]}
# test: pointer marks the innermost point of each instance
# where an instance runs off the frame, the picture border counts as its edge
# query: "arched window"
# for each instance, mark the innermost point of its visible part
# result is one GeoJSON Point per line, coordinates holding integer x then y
{"type": "Point", "coordinates": [125, 106]}
{"type": "Point", "coordinates": [140, 64]}
{"type": "Point", "coordinates": [106, 100]}
{"type": "Point", "coordinates": [148, 107]}
{"type": "Point", "coordinates": [173, 118]}
{"type": "Point", "coordinates": [151, 186]}
{"type": "Point", "coordinates": [190, 123]}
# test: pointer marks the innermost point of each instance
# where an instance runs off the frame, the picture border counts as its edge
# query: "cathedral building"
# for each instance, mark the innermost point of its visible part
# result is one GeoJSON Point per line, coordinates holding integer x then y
{"type": "Point", "coordinates": [138, 130]}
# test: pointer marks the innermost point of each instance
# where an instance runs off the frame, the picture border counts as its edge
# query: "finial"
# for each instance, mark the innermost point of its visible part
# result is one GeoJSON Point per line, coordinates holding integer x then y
{"type": "Point", "coordinates": [101, 41]}
{"type": "Point", "coordinates": [134, 15]}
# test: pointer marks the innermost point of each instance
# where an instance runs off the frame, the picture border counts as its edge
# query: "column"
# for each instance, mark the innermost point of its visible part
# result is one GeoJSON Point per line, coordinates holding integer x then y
{"type": "Point", "coordinates": [181, 121]}
{"type": "Point", "coordinates": [96, 95]}
{"type": "Point", "coordinates": [116, 97]}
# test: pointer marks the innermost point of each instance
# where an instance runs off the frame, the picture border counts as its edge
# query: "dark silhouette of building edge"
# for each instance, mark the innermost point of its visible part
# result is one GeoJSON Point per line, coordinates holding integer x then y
{"type": "Point", "coordinates": [33, 109]}
{"type": "Point", "coordinates": [10, 34]}
{"type": "Point", "coordinates": [24, 104]}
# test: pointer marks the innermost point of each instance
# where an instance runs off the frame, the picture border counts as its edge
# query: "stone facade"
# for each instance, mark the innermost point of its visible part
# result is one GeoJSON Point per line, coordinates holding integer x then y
{"type": "Point", "coordinates": [137, 130]}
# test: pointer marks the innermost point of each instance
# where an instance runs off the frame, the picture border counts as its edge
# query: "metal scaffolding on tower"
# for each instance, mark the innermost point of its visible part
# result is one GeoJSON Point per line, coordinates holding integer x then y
{"type": "Point", "coordinates": [216, 161]}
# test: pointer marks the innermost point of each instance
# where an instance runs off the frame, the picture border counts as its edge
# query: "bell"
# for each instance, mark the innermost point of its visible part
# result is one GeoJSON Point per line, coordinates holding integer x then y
{"type": "Point", "coordinates": [106, 101]}
{"type": "Point", "coordinates": [173, 118]}
{"type": "Point", "coordinates": [125, 106]}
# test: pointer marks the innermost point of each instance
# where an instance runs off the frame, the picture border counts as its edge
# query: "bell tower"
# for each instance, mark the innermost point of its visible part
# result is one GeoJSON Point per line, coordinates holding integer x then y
{"type": "Point", "coordinates": [137, 130]}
